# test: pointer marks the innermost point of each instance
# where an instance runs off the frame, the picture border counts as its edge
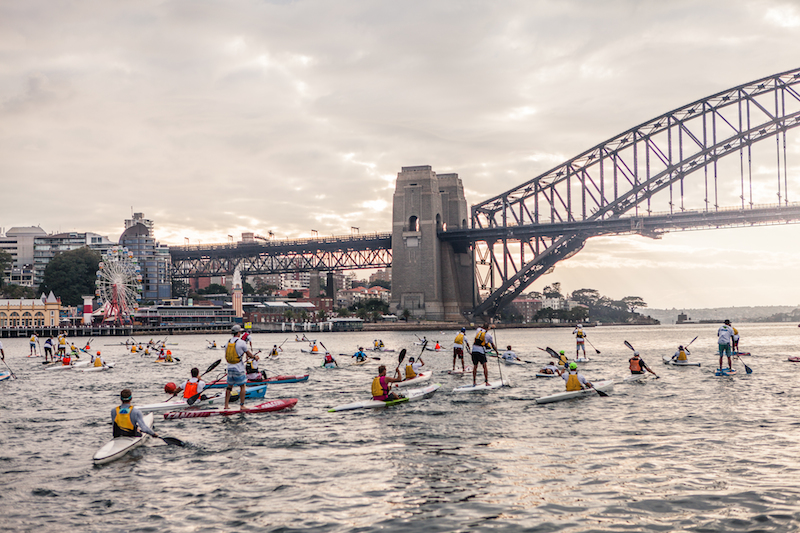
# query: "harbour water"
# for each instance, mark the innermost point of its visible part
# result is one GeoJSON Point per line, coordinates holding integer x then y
{"type": "Point", "coordinates": [687, 452]}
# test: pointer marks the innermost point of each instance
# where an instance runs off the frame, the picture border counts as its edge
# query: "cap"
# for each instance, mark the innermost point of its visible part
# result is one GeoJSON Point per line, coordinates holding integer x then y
{"type": "Point", "coordinates": [561, 352]}
{"type": "Point", "coordinates": [410, 359]}
{"type": "Point", "coordinates": [508, 347]}
{"type": "Point", "coordinates": [573, 366]}
{"type": "Point", "coordinates": [170, 388]}
{"type": "Point", "coordinates": [635, 353]}
{"type": "Point", "coordinates": [98, 352]}
{"type": "Point", "coordinates": [727, 321]}
{"type": "Point", "coordinates": [125, 395]}
{"type": "Point", "coordinates": [236, 328]}
{"type": "Point", "coordinates": [463, 330]}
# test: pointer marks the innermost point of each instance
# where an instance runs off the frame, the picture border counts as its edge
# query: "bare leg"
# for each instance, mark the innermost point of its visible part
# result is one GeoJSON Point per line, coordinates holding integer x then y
{"type": "Point", "coordinates": [729, 362]}
{"type": "Point", "coordinates": [228, 392]}
{"type": "Point", "coordinates": [474, 374]}
{"type": "Point", "coordinates": [454, 361]}
{"type": "Point", "coordinates": [242, 392]}
{"type": "Point", "coordinates": [720, 361]}
{"type": "Point", "coordinates": [485, 374]}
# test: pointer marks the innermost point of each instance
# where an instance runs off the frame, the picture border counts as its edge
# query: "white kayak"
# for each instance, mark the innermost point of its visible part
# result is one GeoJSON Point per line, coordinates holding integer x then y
{"type": "Point", "coordinates": [422, 377]}
{"type": "Point", "coordinates": [310, 351]}
{"type": "Point", "coordinates": [68, 367]}
{"type": "Point", "coordinates": [118, 447]}
{"type": "Point", "coordinates": [382, 350]}
{"type": "Point", "coordinates": [602, 386]}
{"type": "Point", "coordinates": [409, 396]}
{"type": "Point", "coordinates": [480, 387]}
{"type": "Point", "coordinates": [164, 363]}
{"type": "Point", "coordinates": [107, 366]}
{"type": "Point", "coordinates": [359, 363]}
{"type": "Point", "coordinates": [513, 362]}
{"type": "Point", "coordinates": [543, 375]}
{"type": "Point", "coordinates": [636, 377]}
{"type": "Point", "coordinates": [669, 361]}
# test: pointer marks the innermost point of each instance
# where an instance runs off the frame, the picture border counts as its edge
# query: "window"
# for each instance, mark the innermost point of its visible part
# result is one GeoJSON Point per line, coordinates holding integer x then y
{"type": "Point", "coordinates": [413, 223]}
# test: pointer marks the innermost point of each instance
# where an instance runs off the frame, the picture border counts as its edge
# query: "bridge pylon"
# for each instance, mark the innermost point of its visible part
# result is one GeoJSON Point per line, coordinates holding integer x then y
{"type": "Point", "coordinates": [431, 278]}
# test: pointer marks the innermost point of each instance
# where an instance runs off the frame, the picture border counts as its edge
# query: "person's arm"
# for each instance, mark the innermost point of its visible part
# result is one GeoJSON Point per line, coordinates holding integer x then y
{"type": "Point", "coordinates": [137, 419]}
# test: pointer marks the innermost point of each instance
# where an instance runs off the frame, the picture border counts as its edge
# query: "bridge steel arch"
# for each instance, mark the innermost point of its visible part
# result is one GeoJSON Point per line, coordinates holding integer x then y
{"type": "Point", "coordinates": [663, 174]}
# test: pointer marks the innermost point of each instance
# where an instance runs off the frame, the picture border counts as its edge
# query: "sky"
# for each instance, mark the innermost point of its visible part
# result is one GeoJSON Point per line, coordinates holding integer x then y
{"type": "Point", "coordinates": [217, 118]}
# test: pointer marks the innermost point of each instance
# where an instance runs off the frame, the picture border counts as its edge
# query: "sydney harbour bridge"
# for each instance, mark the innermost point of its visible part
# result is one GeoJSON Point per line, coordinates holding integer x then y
{"type": "Point", "coordinates": [718, 162]}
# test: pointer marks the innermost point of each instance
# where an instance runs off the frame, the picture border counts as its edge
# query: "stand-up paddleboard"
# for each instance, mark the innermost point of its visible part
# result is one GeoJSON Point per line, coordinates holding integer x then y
{"type": "Point", "coordinates": [602, 386]}
{"type": "Point", "coordinates": [669, 361]}
{"type": "Point", "coordinates": [175, 405]}
{"type": "Point", "coordinates": [794, 359]}
{"type": "Point", "coordinates": [67, 367]}
{"type": "Point", "coordinates": [480, 387]}
{"type": "Point", "coordinates": [107, 366]}
{"type": "Point", "coordinates": [467, 370]}
{"type": "Point", "coordinates": [543, 375]}
{"type": "Point", "coordinates": [5, 375]}
{"type": "Point", "coordinates": [267, 407]}
{"type": "Point", "coordinates": [422, 377]}
{"type": "Point", "coordinates": [273, 380]}
{"type": "Point", "coordinates": [410, 396]}
{"type": "Point", "coordinates": [118, 447]}
{"type": "Point", "coordinates": [725, 372]}
{"type": "Point", "coordinates": [582, 360]}
{"type": "Point", "coordinates": [381, 350]}
{"type": "Point", "coordinates": [742, 353]}
{"type": "Point", "coordinates": [636, 378]}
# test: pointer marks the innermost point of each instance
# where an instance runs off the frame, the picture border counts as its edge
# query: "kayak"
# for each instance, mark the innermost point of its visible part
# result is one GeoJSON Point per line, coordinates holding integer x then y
{"type": "Point", "coordinates": [669, 361]}
{"type": "Point", "coordinates": [410, 396]}
{"type": "Point", "coordinates": [603, 386]}
{"type": "Point", "coordinates": [5, 375]}
{"type": "Point", "coordinates": [513, 362]}
{"type": "Point", "coordinates": [636, 378]}
{"type": "Point", "coordinates": [308, 351]}
{"type": "Point", "coordinates": [67, 367]}
{"type": "Point", "coordinates": [382, 350]}
{"type": "Point", "coordinates": [174, 405]}
{"type": "Point", "coordinates": [328, 365]}
{"type": "Point", "coordinates": [434, 349]}
{"type": "Point", "coordinates": [359, 363]}
{"type": "Point", "coordinates": [274, 380]}
{"type": "Point", "coordinates": [543, 375]}
{"type": "Point", "coordinates": [108, 366]}
{"type": "Point", "coordinates": [164, 363]}
{"type": "Point", "coordinates": [422, 377]}
{"type": "Point", "coordinates": [794, 359]}
{"type": "Point", "coordinates": [118, 447]}
{"type": "Point", "coordinates": [481, 387]}
{"type": "Point", "coordinates": [725, 372]}
{"type": "Point", "coordinates": [272, 405]}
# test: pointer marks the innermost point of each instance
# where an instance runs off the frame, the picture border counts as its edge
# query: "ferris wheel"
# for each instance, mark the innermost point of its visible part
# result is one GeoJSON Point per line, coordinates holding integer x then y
{"type": "Point", "coordinates": [119, 284]}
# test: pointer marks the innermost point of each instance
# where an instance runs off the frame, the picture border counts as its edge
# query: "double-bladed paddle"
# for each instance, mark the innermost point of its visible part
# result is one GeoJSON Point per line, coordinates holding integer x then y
{"type": "Point", "coordinates": [172, 441]}
{"type": "Point", "coordinates": [648, 368]}
{"type": "Point", "coordinates": [194, 398]}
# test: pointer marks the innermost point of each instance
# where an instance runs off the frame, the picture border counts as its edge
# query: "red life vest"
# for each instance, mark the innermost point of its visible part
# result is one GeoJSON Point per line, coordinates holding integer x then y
{"type": "Point", "coordinates": [635, 364]}
{"type": "Point", "coordinates": [328, 358]}
{"type": "Point", "coordinates": [191, 389]}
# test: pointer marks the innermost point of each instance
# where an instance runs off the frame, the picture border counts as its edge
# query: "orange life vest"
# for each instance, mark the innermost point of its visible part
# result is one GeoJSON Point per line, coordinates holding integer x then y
{"type": "Point", "coordinates": [635, 364]}
{"type": "Point", "coordinates": [191, 389]}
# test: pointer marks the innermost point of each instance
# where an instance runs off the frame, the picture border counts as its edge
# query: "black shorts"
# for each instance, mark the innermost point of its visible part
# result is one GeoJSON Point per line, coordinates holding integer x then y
{"type": "Point", "coordinates": [458, 352]}
{"type": "Point", "coordinates": [478, 357]}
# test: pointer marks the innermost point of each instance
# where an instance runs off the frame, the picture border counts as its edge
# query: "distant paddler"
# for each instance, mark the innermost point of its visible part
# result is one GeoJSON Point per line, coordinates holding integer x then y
{"type": "Point", "coordinates": [681, 354]}
{"type": "Point", "coordinates": [236, 353]}
{"type": "Point", "coordinates": [360, 355]}
{"type": "Point", "coordinates": [62, 344]}
{"type": "Point", "coordinates": [575, 381]}
{"type": "Point", "coordinates": [509, 355]}
{"type": "Point", "coordinates": [381, 385]}
{"type": "Point", "coordinates": [735, 340]}
{"type": "Point", "coordinates": [725, 334]}
{"type": "Point", "coordinates": [580, 340]}
{"type": "Point", "coordinates": [128, 420]}
{"type": "Point", "coordinates": [459, 344]}
{"type": "Point", "coordinates": [637, 365]}
{"type": "Point", "coordinates": [550, 368]}
{"type": "Point", "coordinates": [34, 339]}
{"type": "Point", "coordinates": [414, 368]}
{"type": "Point", "coordinates": [314, 347]}
{"type": "Point", "coordinates": [275, 351]}
{"type": "Point", "coordinates": [329, 360]}
{"type": "Point", "coordinates": [482, 339]}
{"type": "Point", "coordinates": [48, 349]}
{"type": "Point", "coordinates": [97, 360]}
{"type": "Point", "coordinates": [562, 359]}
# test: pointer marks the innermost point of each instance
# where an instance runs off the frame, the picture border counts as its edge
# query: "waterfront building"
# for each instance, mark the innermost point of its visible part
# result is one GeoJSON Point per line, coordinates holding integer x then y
{"type": "Point", "coordinates": [30, 312]}
{"type": "Point", "coordinates": [184, 315]}
{"type": "Point", "coordinates": [18, 243]}
{"type": "Point", "coordinates": [138, 218]}
{"type": "Point", "coordinates": [527, 307]}
{"type": "Point", "coordinates": [46, 247]}
{"type": "Point", "coordinates": [154, 260]}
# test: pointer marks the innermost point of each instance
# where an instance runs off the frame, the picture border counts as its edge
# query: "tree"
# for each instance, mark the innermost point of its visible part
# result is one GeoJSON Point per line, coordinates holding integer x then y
{"type": "Point", "coordinates": [295, 294]}
{"type": "Point", "coordinates": [406, 314]}
{"type": "Point", "coordinates": [322, 315]}
{"type": "Point", "coordinates": [288, 314]}
{"type": "Point", "coordinates": [247, 288]}
{"type": "Point", "coordinates": [552, 291]}
{"type": "Point", "coordinates": [179, 288]}
{"type": "Point", "coordinates": [588, 297]}
{"type": "Point", "coordinates": [214, 288]}
{"type": "Point", "coordinates": [381, 283]}
{"type": "Point", "coordinates": [633, 302]}
{"type": "Point", "coordinates": [15, 292]}
{"type": "Point", "coordinates": [358, 283]}
{"type": "Point", "coordinates": [5, 262]}
{"type": "Point", "coordinates": [71, 275]}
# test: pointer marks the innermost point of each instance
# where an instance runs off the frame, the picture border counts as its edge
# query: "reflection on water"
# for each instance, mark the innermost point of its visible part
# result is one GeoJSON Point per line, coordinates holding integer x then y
{"type": "Point", "coordinates": [689, 451]}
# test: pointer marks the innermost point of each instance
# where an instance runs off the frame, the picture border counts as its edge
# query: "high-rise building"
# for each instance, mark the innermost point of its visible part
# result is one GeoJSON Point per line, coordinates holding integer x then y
{"type": "Point", "coordinates": [138, 218]}
{"type": "Point", "coordinates": [154, 260]}
{"type": "Point", "coordinates": [47, 247]}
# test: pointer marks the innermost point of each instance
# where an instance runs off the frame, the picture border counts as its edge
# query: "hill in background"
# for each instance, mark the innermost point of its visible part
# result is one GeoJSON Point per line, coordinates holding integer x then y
{"type": "Point", "coordinates": [764, 313]}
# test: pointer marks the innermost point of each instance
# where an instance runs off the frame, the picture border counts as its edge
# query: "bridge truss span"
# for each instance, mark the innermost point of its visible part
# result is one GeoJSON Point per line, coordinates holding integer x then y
{"type": "Point", "coordinates": [706, 158]}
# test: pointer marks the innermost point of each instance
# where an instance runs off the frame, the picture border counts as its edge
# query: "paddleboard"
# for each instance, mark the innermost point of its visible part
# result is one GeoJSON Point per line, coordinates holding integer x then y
{"type": "Point", "coordinates": [67, 367]}
{"type": "Point", "coordinates": [603, 386]}
{"type": "Point", "coordinates": [272, 405]}
{"type": "Point", "coordinates": [725, 372]}
{"type": "Point", "coordinates": [5, 375]}
{"type": "Point", "coordinates": [467, 370]}
{"type": "Point", "coordinates": [108, 366]}
{"type": "Point", "coordinates": [118, 447]}
{"type": "Point", "coordinates": [794, 359]}
{"type": "Point", "coordinates": [582, 360]}
{"type": "Point", "coordinates": [219, 399]}
{"type": "Point", "coordinates": [479, 387]}
{"type": "Point", "coordinates": [382, 350]}
{"type": "Point", "coordinates": [422, 377]}
{"type": "Point", "coordinates": [543, 375]}
{"type": "Point", "coordinates": [669, 361]}
{"type": "Point", "coordinates": [410, 396]}
{"type": "Point", "coordinates": [274, 380]}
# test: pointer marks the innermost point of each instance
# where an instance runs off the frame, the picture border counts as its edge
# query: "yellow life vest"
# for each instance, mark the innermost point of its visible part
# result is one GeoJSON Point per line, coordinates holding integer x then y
{"type": "Point", "coordinates": [169, 358]}
{"type": "Point", "coordinates": [133, 349]}
{"type": "Point", "coordinates": [562, 360]}
{"type": "Point", "coordinates": [573, 383]}
{"type": "Point", "coordinates": [274, 352]}
{"type": "Point", "coordinates": [735, 332]}
{"type": "Point", "coordinates": [410, 372]}
{"type": "Point", "coordinates": [62, 341]}
{"type": "Point", "coordinates": [377, 389]}
{"type": "Point", "coordinates": [230, 353]}
{"type": "Point", "coordinates": [580, 334]}
{"type": "Point", "coordinates": [480, 338]}
{"type": "Point", "coordinates": [459, 339]}
{"type": "Point", "coordinates": [123, 418]}
{"type": "Point", "coordinates": [33, 338]}
{"type": "Point", "coordinates": [682, 355]}
{"type": "Point", "coordinates": [98, 361]}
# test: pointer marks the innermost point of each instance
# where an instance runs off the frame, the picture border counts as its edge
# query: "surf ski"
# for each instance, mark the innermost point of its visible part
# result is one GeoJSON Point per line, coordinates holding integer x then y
{"type": "Point", "coordinates": [602, 386]}
{"type": "Point", "coordinates": [120, 446]}
{"type": "Point", "coordinates": [411, 395]}
{"type": "Point", "coordinates": [266, 407]}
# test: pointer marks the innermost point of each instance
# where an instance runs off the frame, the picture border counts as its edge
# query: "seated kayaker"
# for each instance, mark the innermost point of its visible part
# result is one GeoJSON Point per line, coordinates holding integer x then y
{"type": "Point", "coordinates": [550, 368]}
{"type": "Point", "coordinates": [360, 355]}
{"type": "Point", "coordinates": [251, 368]}
{"type": "Point", "coordinates": [314, 347]}
{"type": "Point", "coordinates": [380, 385]}
{"type": "Point", "coordinates": [133, 349]}
{"type": "Point", "coordinates": [380, 343]}
{"type": "Point", "coordinates": [638, 366]}
{"type": "Point", "coordinates": [74, 351]}
{"type": "Point", "coordinates": [438, 346]}
{"type": "Point", "coordinates": [275, 351]}
{"type": "Point", "coordinates": [329, 360]}
{"type": "Point", "coordinates": [574, 380]}
{"type": "Point", "coordinates": [413, 368]}
{"type": "Point", "coordinates": [168, 358]}
{"type": "Point", "coordinates": [681, 354]}
{"type": "Point", "coordinates": [128, 420]}
{"type": "Point", "coordinates": [66, 359]}
{"type": "Point", "coordinates": [193, 386]}
{"type": "Point", "coordinates": [213, 345]}
{"type": "Point", "coordinates": [97, 361]}
{"type": "Point", "coordinates": [509, 355]}
{"type": "Point", "coordinates": [562, 359]}
{"type": "Point", "coordinates": [162, 356]}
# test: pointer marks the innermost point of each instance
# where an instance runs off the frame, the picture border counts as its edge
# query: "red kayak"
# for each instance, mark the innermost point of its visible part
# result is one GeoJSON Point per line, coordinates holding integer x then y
{"type": "Point", "coordinates": [272, 405]}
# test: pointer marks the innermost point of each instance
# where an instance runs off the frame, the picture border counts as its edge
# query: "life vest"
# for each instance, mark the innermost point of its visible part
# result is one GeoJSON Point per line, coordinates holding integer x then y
{"type": "Point", "coordinates": [33, 339]}
{"type": "Point", "coordinates": [274, 351]}
{"type": "Point", "coordinates": [123, 427]}
{"type": "Point", "coordinates": [62, 341]}
{"type": "Point", "coordinates": [98, 362]}
{"type": "Point", "coordinates": [314, 348]}
{"type": "Point", "coordinates": [169, 358]}
{"type": "Point", "coordinates": [437, 347]}
{"type": "Point", "coordinates": [328, 359]}
{"type": "Point", "coordinates": [133, 349]}
{"type": "Point", "coordinates": [381, 345]}
{"type": "Point", "coordinates": [480, 338]}
{"type": "Point", "coordinates": [636, 365]}
{"type": "Point", "coordinates": [682, 355]}
{"type": "Point", "coordinates": [735, 331]}
{"type": "Point", "coordinates": [562, 360]}
{"type": "Point", "coordinates": [191, 389]}
{"type": "Point", "coordinates": [65, 360]}
{"type": "Point", "coordinates": [87, 347]}
{"type": "Point", "coordinates": [459, 339]}
{"type": "Point", "coordinates": [249, 368]}
{"type": "Point", "coordinates": [230, 353]}
{"type": "Point", "coordinates": [580, 334]}
{"type": "Point", "coordinates": [573, 383]}
{"type": "Point", "coordinates": [379, 387]}
{"type": "Point", "coordinates": [410, 372]}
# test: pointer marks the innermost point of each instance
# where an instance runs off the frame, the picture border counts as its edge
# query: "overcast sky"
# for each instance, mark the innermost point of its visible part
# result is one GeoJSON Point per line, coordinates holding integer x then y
{"type": "Point", "coordinates": [215, 118]}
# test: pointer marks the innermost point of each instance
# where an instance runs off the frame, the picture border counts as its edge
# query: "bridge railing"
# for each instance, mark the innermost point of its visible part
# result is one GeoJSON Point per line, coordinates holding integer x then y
{"type": "Point", "coordinates": [333, 239]}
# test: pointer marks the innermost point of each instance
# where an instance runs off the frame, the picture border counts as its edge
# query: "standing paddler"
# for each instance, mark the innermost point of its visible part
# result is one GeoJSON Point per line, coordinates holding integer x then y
{"type": "Point", "coordinates": [725, 333]}
{"type": "Point", "coordinates": [459, 344]}
{"type": "Point", "coordinates": [482, 339]}
{"type": "Point", "coordinates": [580, 340]}
{"type": "Point", "coordinates": [236, 353]}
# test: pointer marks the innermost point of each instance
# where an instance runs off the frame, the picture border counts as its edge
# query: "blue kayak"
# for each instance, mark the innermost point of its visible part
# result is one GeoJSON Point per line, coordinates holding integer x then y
{"type": "Point", "coordinates": [274, 380]}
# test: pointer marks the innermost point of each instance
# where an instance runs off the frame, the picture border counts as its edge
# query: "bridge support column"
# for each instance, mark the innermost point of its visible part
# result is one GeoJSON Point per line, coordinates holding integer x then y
{"type": "Point", "coordinates": [430, 278]}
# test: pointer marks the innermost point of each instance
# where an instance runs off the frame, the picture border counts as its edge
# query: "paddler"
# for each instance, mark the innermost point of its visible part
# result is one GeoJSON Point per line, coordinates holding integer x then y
{"type": "Point", "coordinates": [193, 386]}
{"type": "Point", "coordinates": [725, 334]}
{"type": "Point", "coordinates": [213, 344]}
{"type": "Point", "coordinates": [360, 355]}
{"type": "Point", "coordinates": [128, 420]}
{"type": "Point", "coordinates": [574, 380]}
{"type": "Point", "coordinates": [74, 351]}
{"type": "Point", "coordinates": [2, 353]}
{"type": "Point", "coordinates": [97, 360]}
{"type": "Point", "coordinates": [509, 354]}
{"type": "Point", "coordinates": [48, 349]}
{"type": "Point", "coordinates": [168, 358]}
{"type": "Point", "coordinates": [580, 340]}
{"type": "Point", "coordinates": [162, 355]}
{"type": "Point", "coordinates": [550, 368]}
{"type": "Point", "coordinates": [459, 343]}
{"type": "Point", "coordinates": [236, 353]}
{"type": "Point", "coordinates": [33, 340]}
{"type": "Point", "coordinates": [380, 385]}
{"type": "Point", "coordinates": [133, 349]}
{"type": "Point", "coordinates": [637, 365]}
{"type": "Point", "coordinates": [438, 346]}
{"type": "Point", "coordinates": [66, 359]}
{"type": "Point", "coordinates": [562, 359]}
{"type": "Point", "coordinates": [314, 347]}
{"type": "Point", "coordinates": [251, 368]}
{"type": "Point", "coordinates": [329, 359]}
{"type": "Point", "coordinates": [62, 344]}
{"type": "Point", "coordinates": [275, 351]}
{"type": "Point", "coordinates": [735, 340]}
{"type": "Point", "coordinates": [681, 354]}
{"type": "Point", "coordinates": [375, 345]}
{"type": "Point", "coordinates": [482, 339]}
{"type": "Point", "coordinates": [414, 368]}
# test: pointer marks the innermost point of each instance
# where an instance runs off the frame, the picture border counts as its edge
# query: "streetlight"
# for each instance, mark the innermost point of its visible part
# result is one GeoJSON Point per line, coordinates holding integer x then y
{"type": "Point", "coordinates": [230, 239]}
{"type": "Point", "coordinates": [314, 233]}
{"type": "Point", "coordinates": [353, 230]}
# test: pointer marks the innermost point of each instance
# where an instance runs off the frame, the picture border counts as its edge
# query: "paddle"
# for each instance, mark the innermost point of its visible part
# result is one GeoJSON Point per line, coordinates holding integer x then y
{"type": "Point", "coordinates": [746, 368]}
{"type": "Point", "coordinates": [403, 356]}
{"type": "Point", "coordinates": [172, 441]}
{"type": "Point", "coordinates": [648, 368]}
{"type": "Point", "coordinates": [194, 398]}
{"type": "Point", "coordinates": [499, 366]}
{"type": "Point", "coordinates": [590, 344]}
{"type": "Point", "coordinates": [9, 369]}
